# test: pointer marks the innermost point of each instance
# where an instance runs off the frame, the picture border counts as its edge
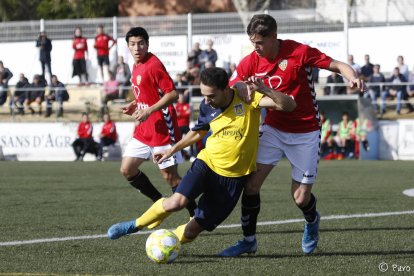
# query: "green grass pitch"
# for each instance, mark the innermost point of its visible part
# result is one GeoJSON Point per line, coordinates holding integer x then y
{"type": "Point", "coordinates": [43, 200]}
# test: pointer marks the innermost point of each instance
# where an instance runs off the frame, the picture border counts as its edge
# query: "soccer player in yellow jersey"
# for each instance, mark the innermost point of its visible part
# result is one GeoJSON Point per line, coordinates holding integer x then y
{"type": "Point", "coordinates": [221, 169]}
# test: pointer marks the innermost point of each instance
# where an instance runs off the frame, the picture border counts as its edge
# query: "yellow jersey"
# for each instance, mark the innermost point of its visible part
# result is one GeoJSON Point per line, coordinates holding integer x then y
{"type": "Point", "coordinates": [232, 146]}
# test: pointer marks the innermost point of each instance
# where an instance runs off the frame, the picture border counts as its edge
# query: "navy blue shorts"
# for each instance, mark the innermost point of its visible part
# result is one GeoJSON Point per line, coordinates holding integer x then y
{"type": "Point", "coordinates": [219, 194]}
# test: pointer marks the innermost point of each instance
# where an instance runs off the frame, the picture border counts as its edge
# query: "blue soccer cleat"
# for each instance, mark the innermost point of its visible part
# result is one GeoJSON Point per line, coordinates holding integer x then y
{"type": "Point", "coordinates": [241, 247]}
{"type": "Point", "coordinates": [121, 229]}
{"type": "Point", "coordinates": [311, 235]}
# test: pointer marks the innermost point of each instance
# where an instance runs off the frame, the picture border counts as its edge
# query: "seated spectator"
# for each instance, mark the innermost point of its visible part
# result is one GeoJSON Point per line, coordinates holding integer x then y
{"type": "Point", "coordinates": [19, 95]}
{"type": "Point", "coordinates": [327, 138]}
{"type": "Point", "coordinates": [5, 75]}
{"type": "Point", "coordinates": [36, 94]}
{"type": "Point", "coordinates": [123, 76]}
{"type": "Point", "coordinates": [315, 74]}
{"type": "Point", "coordinates": [111, 92]}
{"type": "Point", "coordinates": [108, 135]}
{"type": "Point", "coordinates": [85, 142]}
{"type": "Point", "coordinates": [359, 130]}
{"type": "Point", "coordinates": [368, 69]}
{"type": "Point", "coordinates": [334, 78]}
{"type": "Point", "coordinates": [403, 67]}
{"type": "Point", "coordinates": [57, 93]}
{"type": "Point", "coordinates": [396, 90]}
{"type": "Point", "coordinates": [410, 90]}
{"type": "Point", "coordinates": [374, 91]}
{"type": "Point", "coordinates": [344, 138]}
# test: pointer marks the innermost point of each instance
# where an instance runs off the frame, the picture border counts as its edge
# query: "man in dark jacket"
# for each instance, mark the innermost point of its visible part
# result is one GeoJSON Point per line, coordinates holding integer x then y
{"type": "Point", "coordinates": [45, 47]}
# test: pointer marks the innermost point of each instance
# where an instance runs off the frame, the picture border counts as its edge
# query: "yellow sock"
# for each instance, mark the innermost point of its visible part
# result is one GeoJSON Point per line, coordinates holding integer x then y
{"type": "Point", "coordinates": [179, 232]}
{"type": "Point", "coordinates": [155, 213]}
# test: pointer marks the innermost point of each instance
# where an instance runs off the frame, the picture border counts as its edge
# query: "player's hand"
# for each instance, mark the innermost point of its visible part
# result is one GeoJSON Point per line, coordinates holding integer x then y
{"type": "Point", "coordinates": [161, 156]}
{"type": "Point", "coordinates": [141, 115]}
{"type": "Point", "coordinates": [243, 91]}
{"type": "Point", "coordinates": [358, 83]}
{"type": "Point", "coordinates": [255, 84]}
{"type": "Point", "coordinates": [129, 108]}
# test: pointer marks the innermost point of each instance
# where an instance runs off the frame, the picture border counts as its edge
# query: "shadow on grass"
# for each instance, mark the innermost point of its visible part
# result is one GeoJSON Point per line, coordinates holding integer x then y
{"type": "Point", "coordinates": [315, 255]}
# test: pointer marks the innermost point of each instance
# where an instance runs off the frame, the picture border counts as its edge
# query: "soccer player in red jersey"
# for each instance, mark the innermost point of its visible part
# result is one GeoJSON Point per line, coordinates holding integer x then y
{"type": "Point", "coordinates": [285, 66]}
{"type": "Point", "coordinates": [153, 109]}
{"type": "Point", "coordinates": [102, 41]}
{"type": "Point", "coordinates": [108, 134]}
{"type": "Point", "coordinates": [80, 45]}
{"type": "Point", "coordinates": [85, 142]}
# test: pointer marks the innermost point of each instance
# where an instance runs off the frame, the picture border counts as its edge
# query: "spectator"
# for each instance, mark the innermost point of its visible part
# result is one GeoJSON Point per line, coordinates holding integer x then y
{"type": "Point", "coordinates": [354, 65]}
{"type": "Point", "coordinates": [344, 136]}
{"type": "Point", "coordinates": [232, 68]}
{"type": "Point", "coordinates": [397, 89]}
{"type": "Point", "coordinates": [193, 56]}
{"type": "Point", "coordinates": [315, 74]}
{"type": "Point", "coordinates": [111, 92]}
{"type": "Point", "coordinates": [403, 67]}
{"type": "Point", "coordinates": [123, 76]}
{"type": "Point", "coordinates": [102, 42]}
{"type": "Point", "coordinates": [36, 94]}
{"type": "Point", "coordinates": [327, 138]}
{"type": "Point", "coordinates": [374, 91]}
{"type": "Point", "coordinates": [85, 142]}
{"type": "Point", "coordinates": [5, 76]}
{"type": "Point", "coordinates": [410, 90]}
{"type": "Point", "coordinates": [183, 110]}
{"type": "Point", "coordinates": [360, 128]}
{"type": "Point", "coordinates": [208, 55]}
{"type": "Point", "coordinates": [368, 69]}
{"type": "Point", "coordinates": [335, 90]}
{"type": "Point", "coordinates": [57, 93]}
{"type": "Point", "coordinates": [45, 47]}
{"type": "Point", "coordinates": [108, 135]}
{"type": "Point", "coordinates": [80, 45]}
{"type": "Point", "coordinates": [19, 95]}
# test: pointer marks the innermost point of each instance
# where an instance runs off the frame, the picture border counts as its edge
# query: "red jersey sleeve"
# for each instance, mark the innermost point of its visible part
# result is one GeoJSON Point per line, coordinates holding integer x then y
{"type": "Point", "coordinates": [315, 58]}
{"type": "Point", "coordinates": [242, 71]}
{"type": "Point", "coordinates": [161, 77]}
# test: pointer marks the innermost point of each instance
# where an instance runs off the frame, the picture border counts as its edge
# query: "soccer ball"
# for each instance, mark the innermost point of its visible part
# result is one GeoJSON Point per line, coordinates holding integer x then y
{"type": "Point", "coordinates": [162, 246]}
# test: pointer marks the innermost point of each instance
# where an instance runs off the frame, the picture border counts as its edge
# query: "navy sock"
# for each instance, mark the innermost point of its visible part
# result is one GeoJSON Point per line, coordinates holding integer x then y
{"type": "Point", "coordinates": [250, 212]}
{"type": "Point", "coordinates": [309, 211]}
{"type": "Point", "coordinates": [144, 185]}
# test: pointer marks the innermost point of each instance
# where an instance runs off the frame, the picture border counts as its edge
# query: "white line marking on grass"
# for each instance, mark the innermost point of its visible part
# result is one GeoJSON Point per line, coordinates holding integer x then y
{"type": "Point", "coordinates": [288, 221]}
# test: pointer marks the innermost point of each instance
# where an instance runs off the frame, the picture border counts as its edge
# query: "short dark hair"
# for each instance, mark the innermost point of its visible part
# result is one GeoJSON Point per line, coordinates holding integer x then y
{"type": "Point", "coordinates": [262, 24]}
{"type": "Point", "coordinates": [137, 31]}
{"type": "Point", "coordinates": [215, 77]}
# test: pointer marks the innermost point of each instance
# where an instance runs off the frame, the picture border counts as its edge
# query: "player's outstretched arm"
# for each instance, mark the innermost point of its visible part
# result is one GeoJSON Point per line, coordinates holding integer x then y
{"type": "Point", "coordinates": [190, 138]}
{"type": "Point", "coordinates": [349, 73]}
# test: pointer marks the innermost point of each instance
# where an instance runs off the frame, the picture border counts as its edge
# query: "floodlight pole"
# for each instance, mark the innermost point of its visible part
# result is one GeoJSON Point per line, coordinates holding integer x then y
{"type": "Point", "coordinates": [189, 32]}
{"type": "Point", "coordinates": [346, 27]}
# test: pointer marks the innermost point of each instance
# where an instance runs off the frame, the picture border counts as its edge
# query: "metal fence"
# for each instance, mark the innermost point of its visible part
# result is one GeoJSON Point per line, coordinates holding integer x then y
{"type": "Point", "coordinates": [328, 17]}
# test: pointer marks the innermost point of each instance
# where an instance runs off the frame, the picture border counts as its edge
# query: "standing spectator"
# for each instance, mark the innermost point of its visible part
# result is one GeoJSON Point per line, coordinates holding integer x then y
{"type": "Point", "coordinates": [232, 68]}
{"type": "Point", "coordinates": [368, 69]}
{"type": "Point", "coordinates": [45, 47]}
{"type": "Point", "coordinates": [80, 45]}
{"type": "Point", "coordinates": [354, 65]}
{"type": "Point", "coordinates": [57, 93]}
{"type": "Point", "coordinates": [410, 90]}
{"type": "Point", "coordinates": [85, 142]}
{"type": "Point", "coordinates": [36, 94]}
{"type": "Point", "coordinates": [396, 90]}
{"type": "Point", "coordinates": [111, 92]}
{"type": "Point", "coordinates": [208, 55]}
{"type": "Point", "coordinates": [193, 56]}
{"type": "Point", "coordinates": [403, 67]}
{"type": "Point", "coordinates": [123, 76]}
{"type": "Point", "coordinates": [102, 41]}
{"type": "Point", "coordinates": [19, 95]}
{"type": "Point", "coordinates": [107, 136]}
{"type": "Point", "coordinates": [334, 78]}
{"type": "Point", "coordinates": [5, 75]}
{"type": "Point", "coordinates": [374, 91]}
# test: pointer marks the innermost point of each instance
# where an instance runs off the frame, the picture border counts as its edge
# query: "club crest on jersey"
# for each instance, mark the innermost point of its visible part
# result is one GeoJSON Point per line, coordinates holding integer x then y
{"type": "Point", "coordinates": [138, 79]}
{"type": "Point", "coordinates": [283, 64]}
{"type": "Point", "coordinates": [238, 109]}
